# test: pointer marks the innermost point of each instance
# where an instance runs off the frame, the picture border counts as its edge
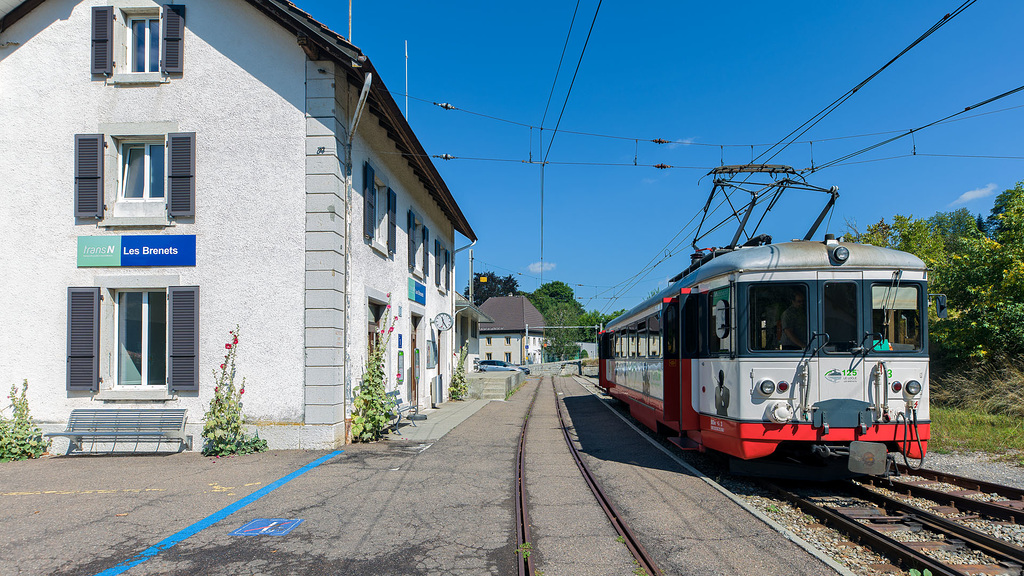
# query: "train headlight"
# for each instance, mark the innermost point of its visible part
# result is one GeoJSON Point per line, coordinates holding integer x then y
{"type": "Point", "coordinates": [781, 413]}
{"type": "Point", "coordinates": [767, 387]}
{"type": "Point", "coordinates": [841, 254]}
{"type": "Point", "coordinates": [913, 388]}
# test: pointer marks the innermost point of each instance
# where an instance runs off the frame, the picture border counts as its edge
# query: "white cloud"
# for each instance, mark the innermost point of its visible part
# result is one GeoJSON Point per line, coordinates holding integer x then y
{"type": "Point", "coordinates": [975, 194]}
{"type": "Point", "coordinates": [538, 267]}
{"type": "Point", "coordinates": [683, 142]}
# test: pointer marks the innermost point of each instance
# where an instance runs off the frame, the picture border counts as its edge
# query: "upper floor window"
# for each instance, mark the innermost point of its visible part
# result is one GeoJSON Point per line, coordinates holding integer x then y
{"type": "Point", "coordinates": [144, 44]}
{"type": "Point", "coordinates": [142, 171]}
{"type": "Point", "coordinates": [508, 340]}
{"type": "Point", "coordinates": [380, 207]}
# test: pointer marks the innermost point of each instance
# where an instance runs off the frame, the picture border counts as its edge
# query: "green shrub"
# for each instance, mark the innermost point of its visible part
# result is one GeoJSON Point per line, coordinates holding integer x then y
{"type": "Point", "coordinates": [222, 430]}
{"type": "Point", "coordinates": [458, 389]}
{"type": "Point", "coordinates": [20, 438]}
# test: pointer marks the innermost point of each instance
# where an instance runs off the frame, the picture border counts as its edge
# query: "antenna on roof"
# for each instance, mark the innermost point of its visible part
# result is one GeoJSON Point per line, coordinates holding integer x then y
{"type": "Point", "coordinates": [349, 21]}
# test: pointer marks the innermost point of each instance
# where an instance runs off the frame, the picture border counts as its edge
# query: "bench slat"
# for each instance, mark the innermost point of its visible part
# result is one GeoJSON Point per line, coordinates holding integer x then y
{"type": "Point", "coordinates": [126, 423]}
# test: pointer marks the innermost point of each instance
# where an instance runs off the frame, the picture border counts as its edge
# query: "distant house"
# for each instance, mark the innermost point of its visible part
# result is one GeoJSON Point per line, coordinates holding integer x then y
{"type": "Point", "coordinates": [517, 332]}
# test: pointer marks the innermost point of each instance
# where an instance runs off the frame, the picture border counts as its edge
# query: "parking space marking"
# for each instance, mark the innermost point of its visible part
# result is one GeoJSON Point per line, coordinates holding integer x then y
{"type": "Point", "coordinates": [96, 491]}
{"type": "Point", "coordinates": [213, 518]}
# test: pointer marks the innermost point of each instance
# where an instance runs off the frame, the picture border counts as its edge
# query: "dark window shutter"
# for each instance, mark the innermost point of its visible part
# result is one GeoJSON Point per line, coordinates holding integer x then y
{"type": "Point", "coordinates": [447, 270]}
{"type": "Point", "coordinates": [412, 239]}
{"type": "Point", "coordinates": [426, 252]}
{"type": "Point", "coordinates": [392, 222]}
{"type": "Point", "coordinates": [438, 260]}
{"type": "Point", "coordinates": [172, 41]}
{"type": "Point", "coordinates": [369, 202]}
{"type": "Point", "coordinates": [181, 174]}
{"type": "Point", "coordinates": [102, 40]}
{"type": "Point", "coordinates": [83, 339]}
{"type": "Point", "coordinates": [183, 329]}
{"type": "Point", "coordinates": [89, 175]}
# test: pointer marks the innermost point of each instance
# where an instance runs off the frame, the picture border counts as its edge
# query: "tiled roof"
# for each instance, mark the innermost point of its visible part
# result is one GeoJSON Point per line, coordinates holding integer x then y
{"type": "Point", "coordinates": [511, 314]}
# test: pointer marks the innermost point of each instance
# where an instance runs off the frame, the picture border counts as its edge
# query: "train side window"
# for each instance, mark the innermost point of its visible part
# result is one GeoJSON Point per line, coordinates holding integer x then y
{"type": "Point", "coordinates": [654, 336]}
{"type": "Point", "coordinates": [691, 326]}
{"type": "Point", "coordinates": [641, 339]}
{"type": "Point", "coordinates": [618, 345]}
{"type": "Point", "coordinates": [840, 311]}
{"type": "Point", "coordinates": [778, 317]}
{"type": "Point", "coordinates": [896, 316]}
{"type": "Point", "coordinates": [631, 342]}
{"type": "Point", "coordinates": [720, 330]}
{"type": "Point", "coordinates": [670, 331]}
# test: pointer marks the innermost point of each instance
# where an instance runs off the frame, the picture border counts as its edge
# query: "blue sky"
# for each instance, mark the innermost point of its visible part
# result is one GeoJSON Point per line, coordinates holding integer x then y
{"type": "Point", "coordinates": [695, 74]}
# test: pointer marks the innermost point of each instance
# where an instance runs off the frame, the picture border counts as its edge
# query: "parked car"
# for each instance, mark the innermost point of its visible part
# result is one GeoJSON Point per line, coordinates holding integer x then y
{"type": "Point", "coordinates": [501, 366]}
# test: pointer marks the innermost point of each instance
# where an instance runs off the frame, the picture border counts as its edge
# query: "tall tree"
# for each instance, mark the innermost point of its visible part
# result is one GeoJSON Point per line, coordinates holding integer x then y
{"type": "Point", "coordinates": [562, 342]}
{"type": "Point", "coordinates": [551, 293]}
{"type": "Point", "coordinates": [494, 286]}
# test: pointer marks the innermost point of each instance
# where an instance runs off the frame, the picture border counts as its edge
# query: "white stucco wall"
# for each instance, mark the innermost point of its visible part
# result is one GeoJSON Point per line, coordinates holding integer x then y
{"type": "Point", "coordinates": [242, 93]}
{"type": "Point", "coordinates": [375, 274]}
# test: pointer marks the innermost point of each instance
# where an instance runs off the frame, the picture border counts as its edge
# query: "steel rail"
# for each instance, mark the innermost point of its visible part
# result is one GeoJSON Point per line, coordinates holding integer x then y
{"type": "Point", "coordinates": [1008, 492]}
{"type": "Point", "coordinates": [1000, 549]}
{"type": "Point", "coordinates": [525, 560]}
{"type": "Point", "coordinates": [633, 544]}
{"type": "Point", "coordinates": [897, 551]}
{"type": "Point", "coordinates": [962, 503]}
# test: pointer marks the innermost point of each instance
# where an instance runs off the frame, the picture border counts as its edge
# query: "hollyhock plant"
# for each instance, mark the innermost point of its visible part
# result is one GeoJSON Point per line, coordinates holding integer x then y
{"type": "Point", "coordinates": [372, 410]}
{"type": "Point", "coordinates": [222, 429]}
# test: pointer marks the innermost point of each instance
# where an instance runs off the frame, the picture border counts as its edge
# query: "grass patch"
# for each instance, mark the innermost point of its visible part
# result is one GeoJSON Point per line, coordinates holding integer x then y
{"type": "Point", "coordinates": [971, 430]}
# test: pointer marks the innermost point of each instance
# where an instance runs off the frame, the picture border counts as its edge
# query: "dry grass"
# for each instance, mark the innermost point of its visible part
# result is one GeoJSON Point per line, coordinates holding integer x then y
{"type": "Point", "coordinates": [980, 409]}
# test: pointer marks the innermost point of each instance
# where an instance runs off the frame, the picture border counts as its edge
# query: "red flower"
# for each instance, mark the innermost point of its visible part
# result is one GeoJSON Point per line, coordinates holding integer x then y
{"type": "Point", "coordinates": [216, 389]}
{"type": "Point", "coordinates": [228, 346]}
{"type": "Point", "coordinates": [236, 340]}
{"type": "Point", "coordinates": [242, 391]}
{"type": "Point", "coordinates": [390, 330]}
{"type": "Point", "coordinates": [221, 366]}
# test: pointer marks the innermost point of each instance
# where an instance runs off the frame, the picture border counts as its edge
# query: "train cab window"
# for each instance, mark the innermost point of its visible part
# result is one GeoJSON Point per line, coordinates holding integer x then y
{"type": "Point", "coordinates": [691, 326]}
{"type": "Point", "coordinates": [778, 317]}
{"type": "Point", "coordinates": [896, 317]}
{"type": "Point", "coordinates": [840, 312]}
{"type": "Point", "coordinates": [720, 333]}
{"type": "Point", "coordinates": [654, 337]}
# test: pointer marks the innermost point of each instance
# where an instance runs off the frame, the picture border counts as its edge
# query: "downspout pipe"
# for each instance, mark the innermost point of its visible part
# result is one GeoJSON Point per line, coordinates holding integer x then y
{"type": "Point", "coordinates": [453, 312]}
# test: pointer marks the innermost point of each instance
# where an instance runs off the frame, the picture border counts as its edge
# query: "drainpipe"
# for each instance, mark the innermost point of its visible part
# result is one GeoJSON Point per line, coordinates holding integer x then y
{"type": "Point", "coordinates": [360, 106]}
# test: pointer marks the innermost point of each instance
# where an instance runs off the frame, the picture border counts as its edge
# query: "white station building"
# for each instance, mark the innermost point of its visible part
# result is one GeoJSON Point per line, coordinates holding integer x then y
{"type": "Point", "coordinates": [172, 171]}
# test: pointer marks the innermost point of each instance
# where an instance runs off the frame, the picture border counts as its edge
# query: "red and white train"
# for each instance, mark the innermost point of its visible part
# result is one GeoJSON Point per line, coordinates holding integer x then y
{"type": "Point", "coordinates": [805, 352]}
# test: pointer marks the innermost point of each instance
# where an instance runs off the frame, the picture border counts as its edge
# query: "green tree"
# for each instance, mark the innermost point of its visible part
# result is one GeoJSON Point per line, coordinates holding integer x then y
{"type": "Point", "coordinates": [549, 294]}
{"type": "Point", "coordinates": [562, 342]}
{"type": "Point", "coordinates": [494, 286]}
{"type": "Point", "coordinates": [595, 318]}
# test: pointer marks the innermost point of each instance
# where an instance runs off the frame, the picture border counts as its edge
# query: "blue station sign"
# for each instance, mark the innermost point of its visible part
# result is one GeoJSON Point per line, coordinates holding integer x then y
{"type": "Point", "coordinates": [134, 251]}
{"type": "Point", "coordinates": [417, 292]}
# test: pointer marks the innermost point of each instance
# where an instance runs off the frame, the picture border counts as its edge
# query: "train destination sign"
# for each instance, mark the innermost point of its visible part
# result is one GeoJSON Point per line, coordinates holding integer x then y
{"type": "Point", "coordinates": [134, 251]}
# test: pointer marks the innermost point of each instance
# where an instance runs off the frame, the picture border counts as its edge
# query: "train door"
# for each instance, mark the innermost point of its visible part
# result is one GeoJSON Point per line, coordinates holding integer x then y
{"type": "Point", "coordinates": [840, 373]}
{"type": "Point", "coordinates": [672, 367]}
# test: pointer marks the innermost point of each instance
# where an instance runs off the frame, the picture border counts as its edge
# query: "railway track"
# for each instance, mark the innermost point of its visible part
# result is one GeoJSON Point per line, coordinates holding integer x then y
{"type": "Point", "coordinates": [909, 536]}
{"type": "Point", "coordinates": [524, 547]}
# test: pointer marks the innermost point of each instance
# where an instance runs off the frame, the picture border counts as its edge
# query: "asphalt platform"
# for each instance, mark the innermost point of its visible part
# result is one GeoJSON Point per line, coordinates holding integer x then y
{"type": "Point", "coordinates": [435, 498]}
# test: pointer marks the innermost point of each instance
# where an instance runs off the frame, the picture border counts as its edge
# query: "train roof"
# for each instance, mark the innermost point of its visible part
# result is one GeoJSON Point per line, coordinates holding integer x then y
{"type": "Point", "coordinates": [796, 255]}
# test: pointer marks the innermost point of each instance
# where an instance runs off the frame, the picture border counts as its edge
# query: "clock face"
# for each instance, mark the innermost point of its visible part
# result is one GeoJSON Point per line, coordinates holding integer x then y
{"type": "Point", "coordinates": [443, 321]}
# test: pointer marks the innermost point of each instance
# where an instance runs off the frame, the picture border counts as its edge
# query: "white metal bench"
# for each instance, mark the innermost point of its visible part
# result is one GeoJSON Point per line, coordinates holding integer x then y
{"type": "Point", "coordinates": [132, 424]}
{"type": "Point", "coordinates": [401, 408]}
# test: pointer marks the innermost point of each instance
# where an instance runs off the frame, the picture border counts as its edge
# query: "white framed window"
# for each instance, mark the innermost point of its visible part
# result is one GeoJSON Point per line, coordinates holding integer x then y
{"type": "Point", "coordinates": [488, 342]}
{"type": "Point", "coordinates": [508, 340]}
{"type": "Point", "coordinates": [144, 44]}
{"type": "Point", "coordinates": [140, 321]}
{"type": "Point", "coordinates": [489, 356]}
{"type": "Point", "coordinates": [380, 232]}
{"type": "Point", "coordinates": [508, 357]}
{"type": "Point", "coordinates": [142, 171]}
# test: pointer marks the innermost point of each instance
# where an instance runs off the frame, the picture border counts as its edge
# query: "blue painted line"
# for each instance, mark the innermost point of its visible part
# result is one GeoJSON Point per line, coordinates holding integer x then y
{"type": "Point", "coordinates": [213, 518]}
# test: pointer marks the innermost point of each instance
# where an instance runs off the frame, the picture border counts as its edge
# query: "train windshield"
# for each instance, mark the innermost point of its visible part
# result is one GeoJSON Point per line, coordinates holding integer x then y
{"type": "Point", "coordinates": [896, 317]}
{"type": "Point", "coordinates": [840, 310]}
{"type": "Point", "coordinates": [778, 317]}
